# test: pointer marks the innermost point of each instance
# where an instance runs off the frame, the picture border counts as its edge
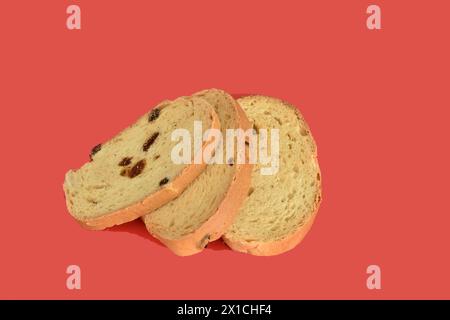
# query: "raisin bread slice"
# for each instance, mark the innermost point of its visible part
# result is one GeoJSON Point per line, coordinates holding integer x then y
{"type": "Point", "coordinates": [133, 174]}
{"type": "Point", "coordinates": [279, 209]}
{"type": "Point", "coordinates": [208, 206]}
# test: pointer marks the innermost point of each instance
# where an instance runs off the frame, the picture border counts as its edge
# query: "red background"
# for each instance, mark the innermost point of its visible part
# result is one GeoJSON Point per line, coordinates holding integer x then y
{"type": "Point", "coordinates": [377, 102]}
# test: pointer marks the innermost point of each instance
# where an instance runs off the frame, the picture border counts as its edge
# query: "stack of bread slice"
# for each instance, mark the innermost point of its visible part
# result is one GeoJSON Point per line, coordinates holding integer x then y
{"type": "Point", "coordinates": [188, 205]}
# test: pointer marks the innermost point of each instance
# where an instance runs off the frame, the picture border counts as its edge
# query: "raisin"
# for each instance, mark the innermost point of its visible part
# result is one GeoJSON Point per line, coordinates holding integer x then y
{"type": "Point", "coordinates": [95, 149]}
{"type": "Point", "coordinates": [154, 114]}
{"type": "Point", "coordinates": [137, 168]}
{"type": "Point", "coordinates": [150, 141]}
{"type": "Point", "coordinates": [125, 161]}
{"type": "Point", "coordinates": [164, 181]}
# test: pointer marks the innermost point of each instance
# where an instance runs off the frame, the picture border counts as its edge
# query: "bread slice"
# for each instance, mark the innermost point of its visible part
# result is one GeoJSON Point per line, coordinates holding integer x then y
{"type": "Point", "coordinates": [279, 209]}
{"type": "Point", "coordinates": [133, 174]}
{"type": "Point", "coordinates": [208, 206]}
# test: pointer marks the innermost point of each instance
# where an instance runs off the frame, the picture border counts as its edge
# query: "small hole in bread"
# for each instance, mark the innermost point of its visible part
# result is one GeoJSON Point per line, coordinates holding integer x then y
{"type": "Point", "coordinates": [250, 191]}
{"type": "Point", "coordinates": [304, 132]}
{"type": "Point", "coordinates": [91, 200]}
{"type": "Point", "coordinates": [156, 157]}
